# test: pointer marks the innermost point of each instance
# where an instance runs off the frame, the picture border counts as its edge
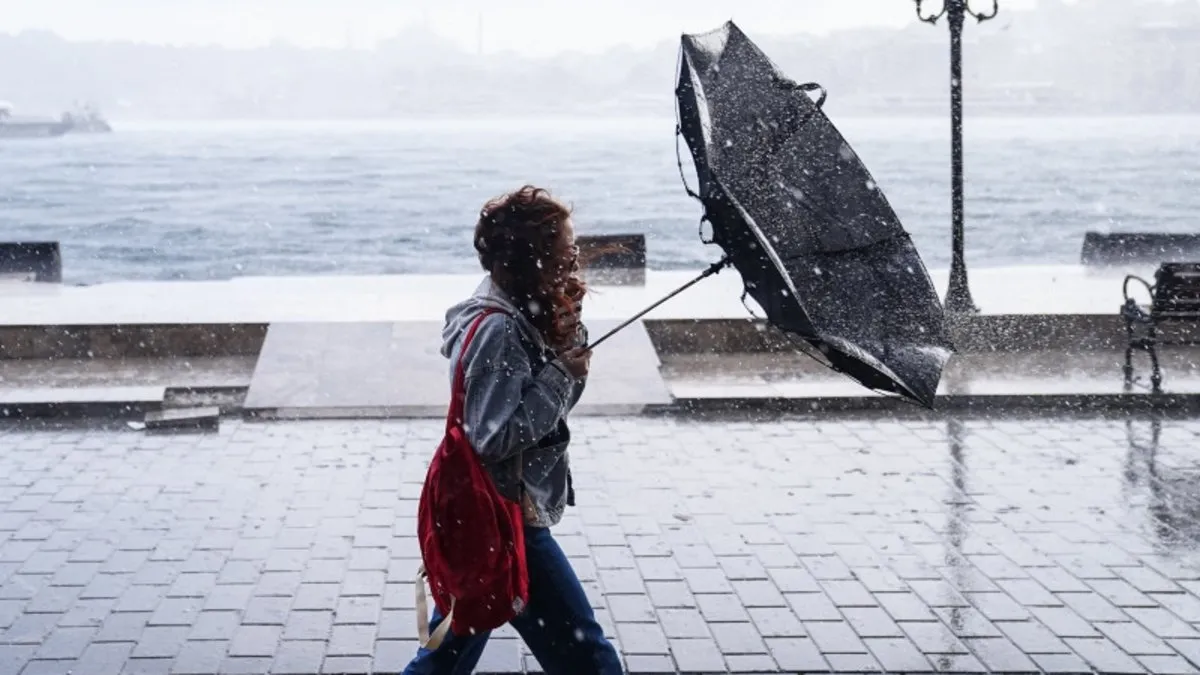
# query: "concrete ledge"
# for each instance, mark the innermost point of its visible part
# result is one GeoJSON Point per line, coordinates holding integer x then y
{"type": "Point", "coordinates": [1011, 332]}
{"type": "Point", "coordinates": [1037, 332]}
{"type": "Point", "coordinates": [1124, 248]}
{"type": "Point", "coordinates": [228, 400]}
{"type": "Point", "coordinates": [989, 333]}
{"type": "Point", "coordinates": [131, 340]}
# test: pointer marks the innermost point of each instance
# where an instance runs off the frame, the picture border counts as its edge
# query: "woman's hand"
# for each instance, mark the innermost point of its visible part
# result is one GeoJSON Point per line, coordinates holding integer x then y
{"type": "Point", "coordinates": [577, 361]}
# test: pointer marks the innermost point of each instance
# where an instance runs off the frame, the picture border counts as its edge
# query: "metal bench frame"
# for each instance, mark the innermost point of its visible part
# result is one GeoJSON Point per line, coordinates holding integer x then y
{"type": "Point", "coordinates": [1142, 325]}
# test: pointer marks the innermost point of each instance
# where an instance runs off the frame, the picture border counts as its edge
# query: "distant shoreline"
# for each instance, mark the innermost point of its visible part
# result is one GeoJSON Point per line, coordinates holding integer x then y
{"type": "Point", "coordinates": [570, 119]}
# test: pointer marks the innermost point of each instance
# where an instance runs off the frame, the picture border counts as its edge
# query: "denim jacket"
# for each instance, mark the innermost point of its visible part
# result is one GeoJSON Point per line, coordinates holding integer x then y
{"type": "Point", "coordinates": [518, 396]}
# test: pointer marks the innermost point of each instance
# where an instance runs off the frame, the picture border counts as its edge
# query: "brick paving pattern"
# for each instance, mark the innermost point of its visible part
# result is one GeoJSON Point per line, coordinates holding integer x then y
{"type": "Point", "coordinates": [1051, 546]}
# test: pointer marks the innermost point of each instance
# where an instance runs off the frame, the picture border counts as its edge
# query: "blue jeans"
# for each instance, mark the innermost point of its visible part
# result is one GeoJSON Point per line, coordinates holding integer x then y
{"type": "Point", "coordinates": [558, 625]}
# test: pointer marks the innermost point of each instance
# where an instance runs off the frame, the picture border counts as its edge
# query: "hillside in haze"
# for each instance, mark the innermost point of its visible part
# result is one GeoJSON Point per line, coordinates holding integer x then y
{"type": "Point", "coordinates": [1091, 57]}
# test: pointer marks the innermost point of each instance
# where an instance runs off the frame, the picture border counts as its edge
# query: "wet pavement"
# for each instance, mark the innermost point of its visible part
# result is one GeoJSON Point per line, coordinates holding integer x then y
{"type": "Point", "coordinates": [922, 545]}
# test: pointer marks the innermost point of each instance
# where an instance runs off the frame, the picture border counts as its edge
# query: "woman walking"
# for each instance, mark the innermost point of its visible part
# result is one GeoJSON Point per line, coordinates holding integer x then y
{"type": "Point", "coordinates": [525, 368]}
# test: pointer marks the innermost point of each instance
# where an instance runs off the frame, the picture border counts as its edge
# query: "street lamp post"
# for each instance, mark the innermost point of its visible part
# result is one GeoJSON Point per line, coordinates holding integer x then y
{"type": "Point", "coordinates": [958, 295]}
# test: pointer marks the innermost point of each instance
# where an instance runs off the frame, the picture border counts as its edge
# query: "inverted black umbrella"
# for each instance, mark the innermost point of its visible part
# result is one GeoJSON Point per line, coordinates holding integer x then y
{"type": "Point", "coordinates": [816, 242]}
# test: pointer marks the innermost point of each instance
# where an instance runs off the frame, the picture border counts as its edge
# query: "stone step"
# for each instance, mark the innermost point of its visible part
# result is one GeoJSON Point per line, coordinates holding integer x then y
{"type": "Point", "coordinates": [206, 418]}
{"type": "Point", "coordinates": [395, 369]}
{"type": "Point", "coordinates": [58, 402]}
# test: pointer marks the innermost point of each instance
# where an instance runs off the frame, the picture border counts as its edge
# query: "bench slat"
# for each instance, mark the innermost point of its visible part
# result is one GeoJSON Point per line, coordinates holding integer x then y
{"type": "Point", "coordinates": [1176, 294]}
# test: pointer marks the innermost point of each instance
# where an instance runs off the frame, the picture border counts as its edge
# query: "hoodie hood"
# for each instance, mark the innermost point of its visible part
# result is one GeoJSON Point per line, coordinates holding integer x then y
{"type": "Point", "coordinates": [487, 296]}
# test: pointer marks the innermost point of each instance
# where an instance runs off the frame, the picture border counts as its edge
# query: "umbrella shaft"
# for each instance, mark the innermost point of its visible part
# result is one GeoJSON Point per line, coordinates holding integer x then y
{"type": "Point", "coordinates": [712, 269]}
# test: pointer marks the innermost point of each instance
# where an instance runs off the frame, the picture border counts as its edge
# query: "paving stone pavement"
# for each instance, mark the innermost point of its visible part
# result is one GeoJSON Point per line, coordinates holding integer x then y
{"type": "Point", "coordinates": [968, 546]}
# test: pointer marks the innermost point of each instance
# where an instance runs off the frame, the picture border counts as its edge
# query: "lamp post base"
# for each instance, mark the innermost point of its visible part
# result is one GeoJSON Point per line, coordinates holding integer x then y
{"type": "Point", "coordinates": [958, 295]}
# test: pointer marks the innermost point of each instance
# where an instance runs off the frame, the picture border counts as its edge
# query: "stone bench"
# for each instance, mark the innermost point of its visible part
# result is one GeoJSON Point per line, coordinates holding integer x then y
{"type": "Point", "coordinates": [31, 261]}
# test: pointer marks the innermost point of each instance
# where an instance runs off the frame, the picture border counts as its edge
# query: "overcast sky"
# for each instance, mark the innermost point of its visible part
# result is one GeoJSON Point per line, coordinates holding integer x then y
{"type": "Point", "coordinates": [532, 27]}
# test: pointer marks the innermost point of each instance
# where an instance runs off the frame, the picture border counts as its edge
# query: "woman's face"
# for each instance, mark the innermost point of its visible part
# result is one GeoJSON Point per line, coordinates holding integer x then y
{"type": "Point", "coordinates": [566, 254]}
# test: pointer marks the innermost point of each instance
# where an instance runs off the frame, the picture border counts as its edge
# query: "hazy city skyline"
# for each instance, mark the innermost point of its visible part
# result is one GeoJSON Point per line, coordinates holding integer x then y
{"type": "Point", "coordinates": [1088, 57]}
{"type": "Point", "coordinates": [527, 27]}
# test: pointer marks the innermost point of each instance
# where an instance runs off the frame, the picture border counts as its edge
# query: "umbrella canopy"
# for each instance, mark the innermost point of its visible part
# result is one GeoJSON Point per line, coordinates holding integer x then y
{"type": "Point", "coordinates": [815, 240]}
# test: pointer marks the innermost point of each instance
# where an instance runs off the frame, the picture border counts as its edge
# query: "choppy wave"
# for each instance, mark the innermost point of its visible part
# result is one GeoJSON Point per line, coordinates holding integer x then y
{"type": "Point", "coordinates": [199, 201]}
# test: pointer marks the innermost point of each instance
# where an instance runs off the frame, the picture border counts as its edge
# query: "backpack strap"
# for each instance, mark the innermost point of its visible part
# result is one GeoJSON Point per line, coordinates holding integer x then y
{"type": "Point", "coordinates": [459, 393]}
{"type": "Point", "coordinates": [458, 390]}
{"type": "Point", "coordinates": [430, 642]}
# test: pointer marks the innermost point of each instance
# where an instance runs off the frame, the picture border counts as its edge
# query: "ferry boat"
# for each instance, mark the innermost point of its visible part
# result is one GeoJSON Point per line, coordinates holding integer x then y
{"type": "Point", "coordinates": [83, 120]}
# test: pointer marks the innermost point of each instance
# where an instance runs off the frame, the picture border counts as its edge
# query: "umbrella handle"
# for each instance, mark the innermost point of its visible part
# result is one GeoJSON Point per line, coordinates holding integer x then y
{"type": "Point", "coordinates": [712, 269]}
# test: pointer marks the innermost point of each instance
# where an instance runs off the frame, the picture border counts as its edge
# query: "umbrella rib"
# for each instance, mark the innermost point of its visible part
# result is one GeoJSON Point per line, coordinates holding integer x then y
{"type": "Point", "coordinates": [679, 130]}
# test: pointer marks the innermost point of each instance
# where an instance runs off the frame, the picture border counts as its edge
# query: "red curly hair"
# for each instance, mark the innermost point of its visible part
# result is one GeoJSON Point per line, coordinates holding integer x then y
{"type": "Point", "coordinates": [521, 241]}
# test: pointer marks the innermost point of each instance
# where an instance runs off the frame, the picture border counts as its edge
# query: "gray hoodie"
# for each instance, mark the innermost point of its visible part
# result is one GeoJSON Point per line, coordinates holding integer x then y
{"type": "Point", "coordinates": [517, 399]}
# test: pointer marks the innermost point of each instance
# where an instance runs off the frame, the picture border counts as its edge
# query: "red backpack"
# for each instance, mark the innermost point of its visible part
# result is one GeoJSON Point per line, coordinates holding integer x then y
{"type": "Point", "coordinates": [472, 538]}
